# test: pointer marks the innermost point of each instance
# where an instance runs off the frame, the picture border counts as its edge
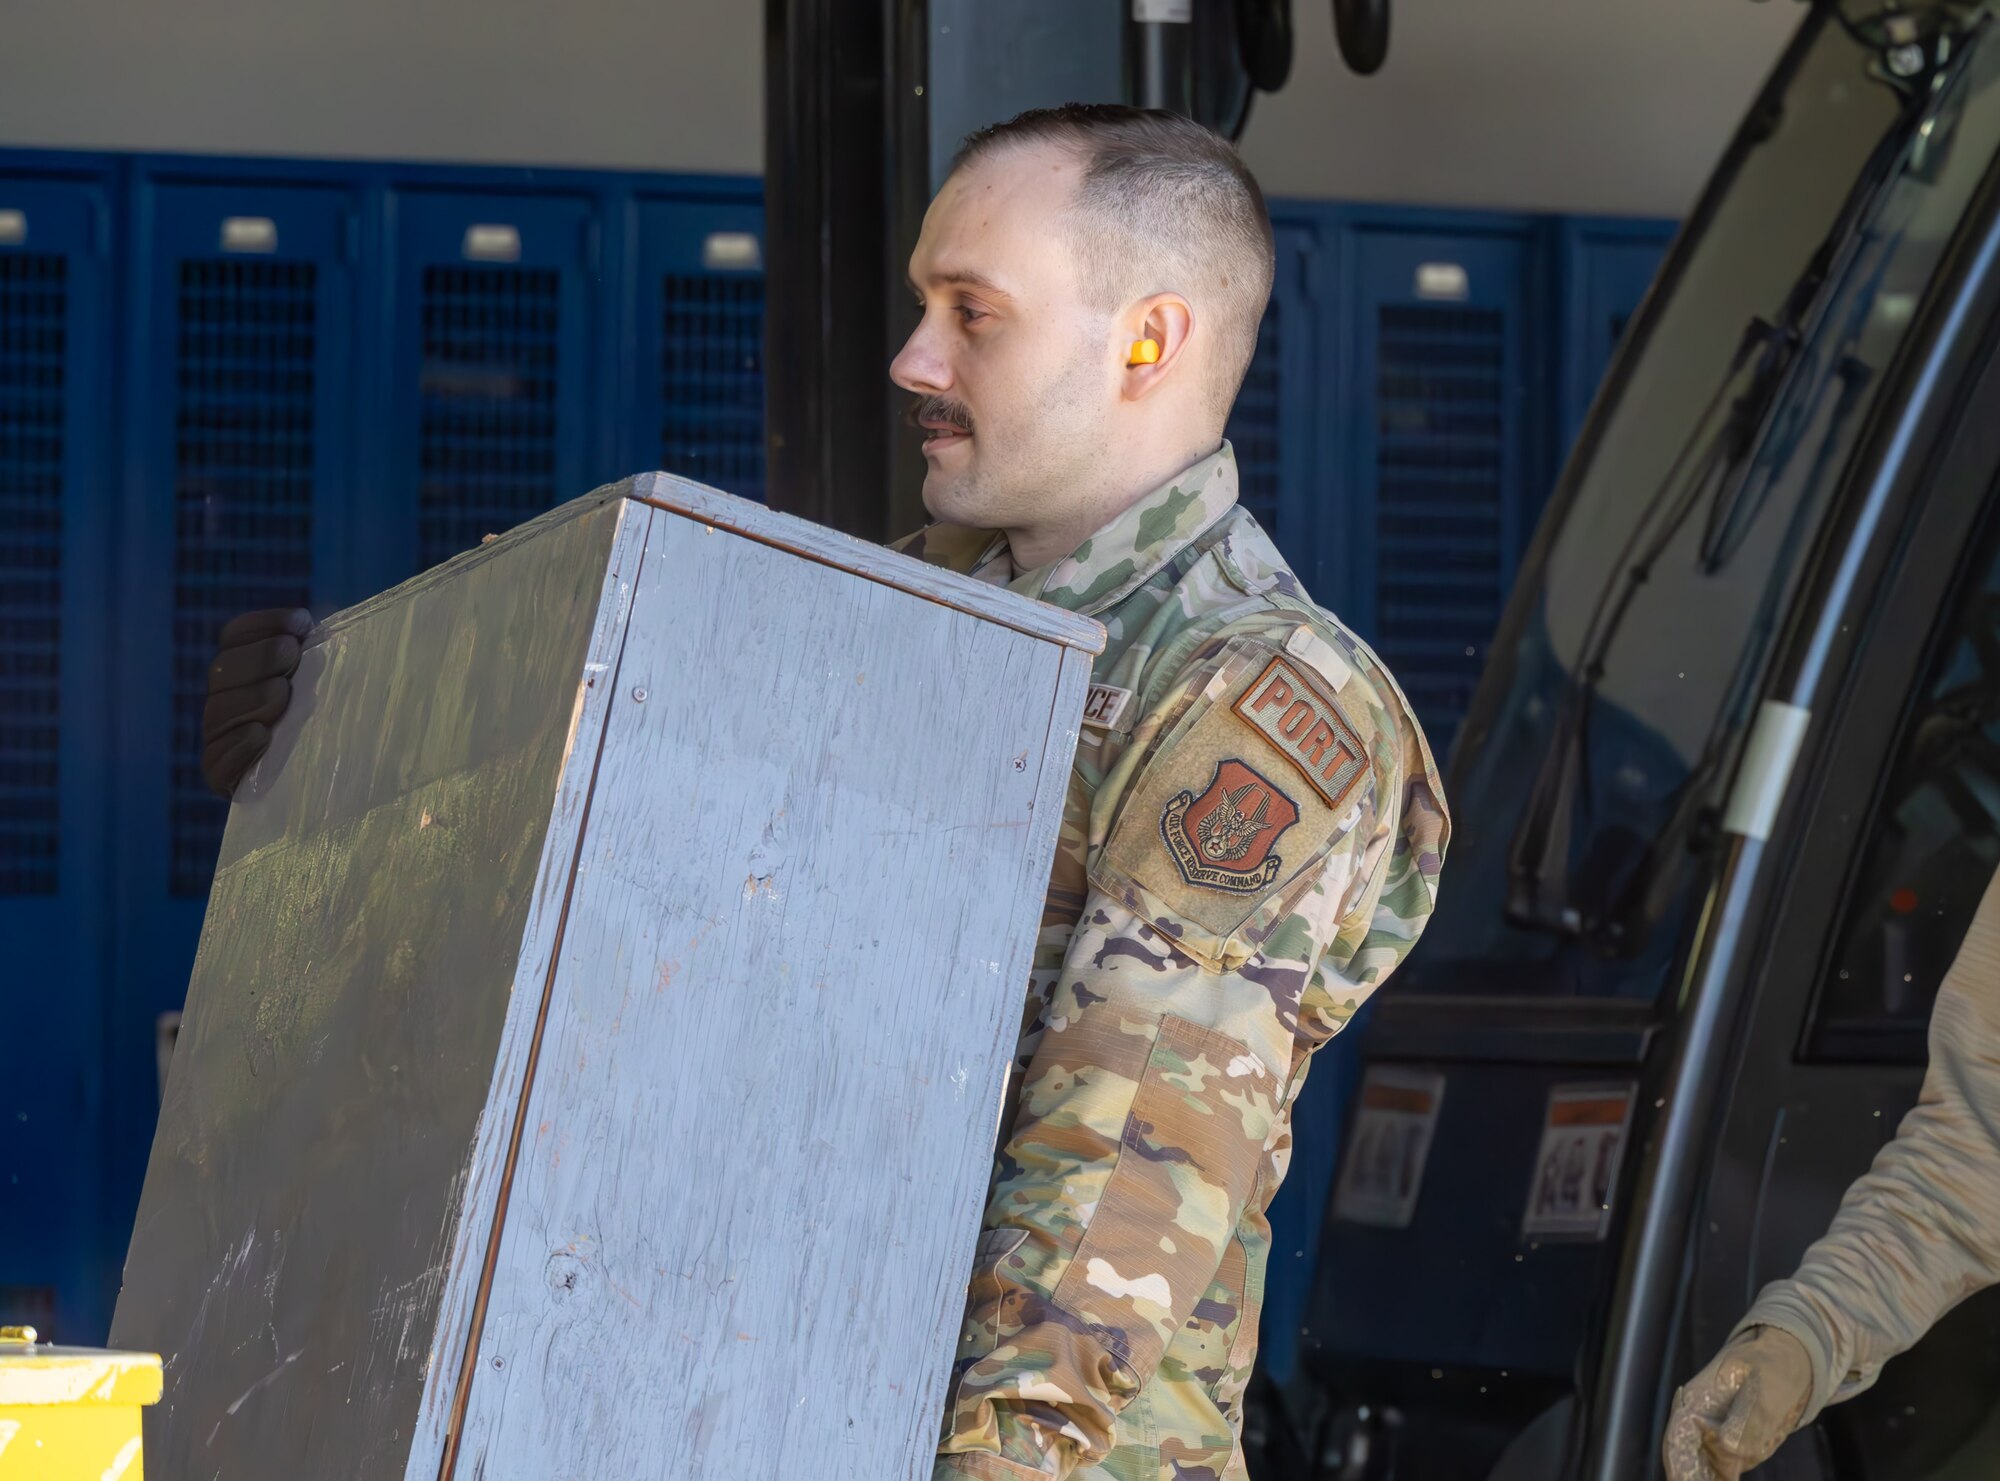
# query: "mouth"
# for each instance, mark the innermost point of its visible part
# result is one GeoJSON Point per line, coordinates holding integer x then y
{"type": "Point", "coordinates": [944, 423]}
{"type": "Point", "coordinates": [940, 435]}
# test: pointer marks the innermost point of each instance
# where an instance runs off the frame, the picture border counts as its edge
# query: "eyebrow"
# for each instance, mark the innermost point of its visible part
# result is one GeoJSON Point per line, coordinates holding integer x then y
{"type": "Point", "coordinates": [962, 279]}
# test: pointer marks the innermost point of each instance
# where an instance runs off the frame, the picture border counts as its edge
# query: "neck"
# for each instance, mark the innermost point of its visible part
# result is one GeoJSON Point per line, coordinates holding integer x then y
{"type": "Point", "coordinates": [1090, 510]}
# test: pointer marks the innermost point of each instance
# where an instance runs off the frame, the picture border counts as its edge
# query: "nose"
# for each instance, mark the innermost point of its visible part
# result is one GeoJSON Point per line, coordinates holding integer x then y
{"type": "Point", "coordinates": [920, 366]}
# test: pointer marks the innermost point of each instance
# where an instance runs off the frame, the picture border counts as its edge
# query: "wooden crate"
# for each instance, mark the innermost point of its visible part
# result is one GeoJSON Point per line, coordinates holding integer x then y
{"type": "Point", "coordinates": [593, 1056]}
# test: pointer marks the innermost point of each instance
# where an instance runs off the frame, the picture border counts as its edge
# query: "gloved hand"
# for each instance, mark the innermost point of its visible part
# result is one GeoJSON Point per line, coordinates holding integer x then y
{"type": "Point", "coordinates": [1737, 1411]}
{"type": "Point", "coordinates": [249, 685]}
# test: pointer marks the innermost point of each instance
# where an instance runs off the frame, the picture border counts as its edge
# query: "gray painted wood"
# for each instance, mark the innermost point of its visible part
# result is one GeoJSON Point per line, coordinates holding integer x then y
{"type": "Point", "coordinates": [355, 988]}
{"type": "Point", "coordinates": [761, 1129]}
{"type": "Point", "coordinates": [591, 1067]}
{"type": "Point", "coordinates": [873, 562]}
{"type": "Point", "coordinates": [540, 939]}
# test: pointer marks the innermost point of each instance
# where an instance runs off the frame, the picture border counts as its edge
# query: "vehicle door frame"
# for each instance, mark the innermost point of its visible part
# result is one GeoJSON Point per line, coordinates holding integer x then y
{"type": "Point", "coordinates": [1941, 370]}
{"type": "Point", "coordinates": [1772, 1076]}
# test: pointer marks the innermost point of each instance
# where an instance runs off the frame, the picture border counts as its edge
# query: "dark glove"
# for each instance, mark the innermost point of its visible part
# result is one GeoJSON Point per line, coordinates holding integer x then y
{"type": "Point", "coordinates": [249, 685]}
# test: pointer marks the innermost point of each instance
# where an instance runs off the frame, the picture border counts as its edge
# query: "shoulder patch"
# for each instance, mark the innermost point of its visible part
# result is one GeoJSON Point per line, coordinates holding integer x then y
{"type": "Point", "coordinates": [1226, 838]}
{"type": "Point", "coordinates": [1246, 799]}
{"type": "Point", "coordinates": [1307, 726]}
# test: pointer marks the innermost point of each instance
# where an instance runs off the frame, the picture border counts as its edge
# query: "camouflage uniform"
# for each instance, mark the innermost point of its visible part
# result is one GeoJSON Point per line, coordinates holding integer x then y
{"type": "Point", "coordinates": [1250, 844]}
{"type": "Point", "coordinates": [1920, 1231]}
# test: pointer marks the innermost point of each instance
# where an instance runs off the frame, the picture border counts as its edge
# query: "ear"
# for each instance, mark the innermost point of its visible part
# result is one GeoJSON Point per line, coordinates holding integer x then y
{"type": "Point", "coordinates": [1168, 321]}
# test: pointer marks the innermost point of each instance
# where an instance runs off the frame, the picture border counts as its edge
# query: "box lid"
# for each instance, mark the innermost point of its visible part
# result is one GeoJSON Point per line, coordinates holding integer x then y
{"type": "Point", "coordinates": [37, 1373]}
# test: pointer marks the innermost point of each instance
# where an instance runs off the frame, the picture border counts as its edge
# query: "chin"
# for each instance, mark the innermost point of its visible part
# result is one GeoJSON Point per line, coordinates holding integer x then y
{"type": "Point", "coordinates": [948, 499]}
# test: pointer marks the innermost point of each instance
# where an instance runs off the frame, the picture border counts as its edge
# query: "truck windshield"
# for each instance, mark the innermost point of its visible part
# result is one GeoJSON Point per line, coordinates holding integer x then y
{"type": "Point", "coordinates": [1582, 783]}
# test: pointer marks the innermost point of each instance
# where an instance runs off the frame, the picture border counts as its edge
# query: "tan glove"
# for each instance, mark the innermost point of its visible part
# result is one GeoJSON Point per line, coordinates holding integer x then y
{"type": "Point", "coordinates": [1735, 1412]}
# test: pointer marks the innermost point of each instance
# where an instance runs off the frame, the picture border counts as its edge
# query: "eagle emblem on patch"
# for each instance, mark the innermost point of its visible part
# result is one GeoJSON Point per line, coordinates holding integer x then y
{"type": "Point", "coordinates": [1224, 839]}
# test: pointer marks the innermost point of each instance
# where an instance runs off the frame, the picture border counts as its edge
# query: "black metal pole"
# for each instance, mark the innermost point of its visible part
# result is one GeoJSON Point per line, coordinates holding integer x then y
{"type": "Point", "coordinates": [909, 177]}
{"type": "Point", "coordinates": [828, 164]}
{"type": "Point", "coordinates": [1161, 74]}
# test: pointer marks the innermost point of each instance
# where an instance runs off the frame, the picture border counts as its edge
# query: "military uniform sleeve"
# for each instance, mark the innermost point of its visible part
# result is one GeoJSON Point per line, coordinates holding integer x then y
{"type": "Point", "coordinates": [1259, 858]}
{"type": "Point", "coordinates": [1920, 1231]}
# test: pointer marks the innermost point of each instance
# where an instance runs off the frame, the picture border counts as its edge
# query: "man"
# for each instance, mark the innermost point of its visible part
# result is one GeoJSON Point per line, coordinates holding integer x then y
{"type": "Point", "coordinates": [1254, 825]}
{"type": "Point", "coordinates": [1915, 1235]}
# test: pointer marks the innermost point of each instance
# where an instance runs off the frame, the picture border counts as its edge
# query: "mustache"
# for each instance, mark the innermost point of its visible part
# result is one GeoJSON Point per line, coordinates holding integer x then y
{"type": "Point", "coordinates": [940, 409]}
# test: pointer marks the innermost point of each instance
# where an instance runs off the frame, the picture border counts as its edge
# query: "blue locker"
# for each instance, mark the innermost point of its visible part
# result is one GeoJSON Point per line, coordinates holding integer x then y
{"type": "Point", "coordinates": [699, 325]}
{"type": "Point", "coordinates": [238, 369]}
{"type": "Point", "coordinates": [1606, 268]}
{"type": "Point", "coordinates": [1274, 427]}
{"type": "Point", "coordinates": [56, 422]}
{"type": "Point", "coordinates": [1416, 510]}
{"type": "Point", "coordinates": [494, 372]}
{"type": "Point", "coordinates": [1440, 359]}
{"type": "Point", "coordinates": [1284, 441]}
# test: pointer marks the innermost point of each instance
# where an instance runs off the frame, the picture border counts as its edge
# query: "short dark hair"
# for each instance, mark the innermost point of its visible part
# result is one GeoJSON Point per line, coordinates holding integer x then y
{"type": "Point", "coordinates": [1165, 205]}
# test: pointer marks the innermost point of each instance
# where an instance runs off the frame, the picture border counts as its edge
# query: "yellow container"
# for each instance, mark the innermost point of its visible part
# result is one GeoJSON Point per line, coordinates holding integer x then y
{"type": "Point", "coordinates": [71, 1413]}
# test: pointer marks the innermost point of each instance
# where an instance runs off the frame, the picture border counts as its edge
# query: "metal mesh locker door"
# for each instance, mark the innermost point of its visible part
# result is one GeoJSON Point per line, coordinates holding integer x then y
{"type": "Point", "coordinates": [492, 369]}
{"type": "Point", "coordinates": [55, 419]}
{"type": "Point", "coordinates": [1272, 427]}
{"type": "Point", "coordinates": [238, 373]}
{"type": "Point", "coordinates": [699, 410]}
{"type": "Point", "coordinates": [1441, 454]}
{"type": "Point", "coordinates": [1256, 422]}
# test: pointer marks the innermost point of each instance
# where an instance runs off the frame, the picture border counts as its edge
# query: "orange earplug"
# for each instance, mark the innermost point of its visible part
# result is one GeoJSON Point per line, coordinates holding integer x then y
{"type": "Point", "coordinates": [1145, 352]}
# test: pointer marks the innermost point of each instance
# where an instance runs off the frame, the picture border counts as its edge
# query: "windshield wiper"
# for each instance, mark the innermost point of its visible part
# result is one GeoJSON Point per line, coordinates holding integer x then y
{"type": "Point", "coordinates": [1643, 896]}
{"type": "Point", "coordinates": [1538, 857]}
{"type": "Point", "coordinates": [1538, 892]}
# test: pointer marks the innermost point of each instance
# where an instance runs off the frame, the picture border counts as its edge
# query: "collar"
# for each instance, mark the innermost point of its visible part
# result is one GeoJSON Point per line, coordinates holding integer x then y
{"type": "Point", "coordinates": [1111, 564]}
{"type": "Point", "coordinates": [1131, 550]}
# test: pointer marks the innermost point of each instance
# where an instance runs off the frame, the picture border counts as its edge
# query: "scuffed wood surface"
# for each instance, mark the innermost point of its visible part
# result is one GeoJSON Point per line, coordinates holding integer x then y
{"type": "Point", "coordinates": [872, 562]}
{"type": "Point", "coordinates": [354, 988]}
{"type": "Point", "coordinates": [768, 837]}
{"type": "Point", "coordinates": [541, 937]}
{"type": "Point", "coordinates": [760, 1133]}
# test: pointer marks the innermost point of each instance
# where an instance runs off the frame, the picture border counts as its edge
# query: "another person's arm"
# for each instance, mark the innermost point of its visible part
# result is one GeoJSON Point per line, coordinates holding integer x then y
{"type": "Point", "coordinates": [1915, 1235]}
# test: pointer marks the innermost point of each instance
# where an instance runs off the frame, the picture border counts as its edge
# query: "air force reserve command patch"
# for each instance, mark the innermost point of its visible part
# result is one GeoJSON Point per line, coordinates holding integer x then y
{"type": "Point", "coordinates": [1250, 788]}
{"type": "Point", "coordinates": [1224, 838]}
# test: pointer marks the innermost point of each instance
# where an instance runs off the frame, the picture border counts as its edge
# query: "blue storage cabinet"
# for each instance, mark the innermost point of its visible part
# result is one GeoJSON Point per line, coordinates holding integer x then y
{"type": "Point", "coordinates": [494, 369]}
{"type": "Point", "coordinates": [698, 321]}
{"type": "Point", "coordinates": [1604, 269]}
{"type": "Point", "coordinates": [1388, 440]}
{"type": "Point", "coordinates": [1288, 434]}
{"type": "Point", "coordinates": [1411, 468]}
{"type": "Point", "coordinates": [56, 471]}
{"type": "Point", "coordinates": [239, 374]}
{"type": "Point", "coordinates": [1440, 361]}
{"type": "Point", "coordinates": [1276, 423]}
